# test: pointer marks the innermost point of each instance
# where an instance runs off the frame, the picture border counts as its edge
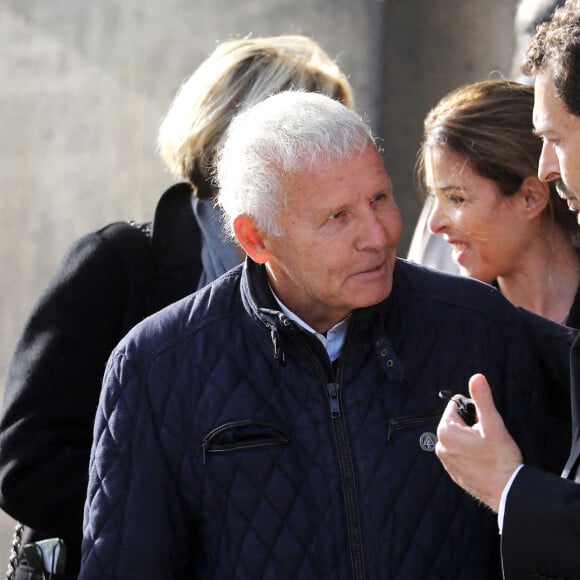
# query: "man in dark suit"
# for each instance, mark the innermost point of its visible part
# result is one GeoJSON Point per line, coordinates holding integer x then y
{"type": "Point", "coordinates": [538, 513]}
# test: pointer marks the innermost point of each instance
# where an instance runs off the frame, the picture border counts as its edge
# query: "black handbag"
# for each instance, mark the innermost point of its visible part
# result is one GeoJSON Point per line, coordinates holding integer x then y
{"type": "Point", "coordinates": [42, 560]}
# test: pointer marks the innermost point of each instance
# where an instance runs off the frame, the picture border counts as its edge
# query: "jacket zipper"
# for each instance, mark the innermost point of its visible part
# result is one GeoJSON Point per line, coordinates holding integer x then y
{"type": "Point", "coordinates": [348, 486]}
{"type": "Point", "coordinates": [353, 522]}
{"type": "Point", "coordinates": [346, 466]}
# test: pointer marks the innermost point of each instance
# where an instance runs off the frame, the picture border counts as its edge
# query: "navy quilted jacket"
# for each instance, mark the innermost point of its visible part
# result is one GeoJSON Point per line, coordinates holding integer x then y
{"type": "Point", "coordinates": [227, 446]}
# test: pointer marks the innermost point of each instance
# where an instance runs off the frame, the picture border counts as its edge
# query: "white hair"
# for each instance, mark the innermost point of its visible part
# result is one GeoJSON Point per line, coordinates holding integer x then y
{"type": "Point", "coordinates": [288, 133]}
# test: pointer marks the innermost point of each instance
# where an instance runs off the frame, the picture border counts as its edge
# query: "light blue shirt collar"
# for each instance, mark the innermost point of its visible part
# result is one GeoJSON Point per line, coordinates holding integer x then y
{"type": "Point", "coordinates": [334, 338]}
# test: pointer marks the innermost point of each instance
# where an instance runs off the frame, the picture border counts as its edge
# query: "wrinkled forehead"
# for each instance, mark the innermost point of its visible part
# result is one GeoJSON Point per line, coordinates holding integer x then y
{"type": "Point", "coordinates": [337, 178]}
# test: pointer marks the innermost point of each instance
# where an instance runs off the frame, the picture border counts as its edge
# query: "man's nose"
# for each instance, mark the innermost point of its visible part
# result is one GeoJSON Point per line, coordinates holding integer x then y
{"type": "Point", "coordinates": [548, 165]}
{"type": "Point", "coordinates": [373, 232]}
{"type": "Point", "coordinates": [438, 219]}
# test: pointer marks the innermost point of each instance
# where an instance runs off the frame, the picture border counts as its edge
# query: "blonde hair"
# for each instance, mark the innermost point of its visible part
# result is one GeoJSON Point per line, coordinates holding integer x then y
{"type": "Point", "coordinates": [238, 74]}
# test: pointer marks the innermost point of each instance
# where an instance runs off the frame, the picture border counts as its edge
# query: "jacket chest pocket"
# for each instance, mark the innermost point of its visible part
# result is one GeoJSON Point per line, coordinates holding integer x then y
{"type": "Point", "coordinates": [426, 424]}
{"type": "Point", "coordinates": [243, 435]}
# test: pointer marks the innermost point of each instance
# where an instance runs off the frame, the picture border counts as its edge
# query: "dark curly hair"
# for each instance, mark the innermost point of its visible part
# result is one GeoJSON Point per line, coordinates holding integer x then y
{"type": "Point", "coordinates": [557, 44]}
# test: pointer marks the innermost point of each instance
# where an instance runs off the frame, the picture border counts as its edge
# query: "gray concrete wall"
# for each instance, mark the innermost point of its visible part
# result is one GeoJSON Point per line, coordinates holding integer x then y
{"type": "Point", "coordinates": [84, 86]}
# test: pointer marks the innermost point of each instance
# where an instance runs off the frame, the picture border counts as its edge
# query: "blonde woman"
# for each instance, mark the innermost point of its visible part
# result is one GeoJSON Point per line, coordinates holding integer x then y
{"type": "Point", "coordinates": [113, 278]}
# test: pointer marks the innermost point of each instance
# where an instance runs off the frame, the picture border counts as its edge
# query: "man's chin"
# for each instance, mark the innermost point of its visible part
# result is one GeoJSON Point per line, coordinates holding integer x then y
{"type": "Point", "coordinates": [374, 296]}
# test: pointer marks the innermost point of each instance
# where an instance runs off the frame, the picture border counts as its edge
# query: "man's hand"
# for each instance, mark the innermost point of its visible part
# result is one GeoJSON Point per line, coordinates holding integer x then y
{"type": "Point", "coordinates": [481, 458]}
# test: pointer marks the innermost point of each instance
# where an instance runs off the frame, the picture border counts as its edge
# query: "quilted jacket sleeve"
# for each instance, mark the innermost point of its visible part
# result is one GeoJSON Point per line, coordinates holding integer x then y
{"type": "Point", "coordinates": [135, 525]}
{"type": "Point", "coordinates": [53, 385]}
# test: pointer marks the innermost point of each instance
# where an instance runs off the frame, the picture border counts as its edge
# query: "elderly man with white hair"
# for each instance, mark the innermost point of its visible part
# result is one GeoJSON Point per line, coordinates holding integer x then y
{"type": "Point", "coordinates": [279, 423]}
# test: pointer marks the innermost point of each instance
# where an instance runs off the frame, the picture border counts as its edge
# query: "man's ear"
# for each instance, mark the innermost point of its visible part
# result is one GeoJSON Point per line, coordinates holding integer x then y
{"type": "Point", "coordinates": [535, 195]}
{"type": "Point", "coordinates": [251, 238]}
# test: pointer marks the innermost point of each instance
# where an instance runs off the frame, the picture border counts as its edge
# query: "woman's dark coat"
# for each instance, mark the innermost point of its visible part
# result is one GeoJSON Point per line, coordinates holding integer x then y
{"type": "Point", "coordinates": [108, 282]}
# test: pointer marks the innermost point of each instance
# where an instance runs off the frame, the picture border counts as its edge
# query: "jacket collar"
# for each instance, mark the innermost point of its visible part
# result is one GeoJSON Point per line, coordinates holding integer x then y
{"type": "Point", "coordinates": [175, 249]}
{"type": "Point", "coordinates": [260, 301]}
{"type": "Point", "coordinates": [175, 234]}
{"type": "Point", "coordinates": [373, 323]}
{"type": "Point", "coordinates": [257, 296]}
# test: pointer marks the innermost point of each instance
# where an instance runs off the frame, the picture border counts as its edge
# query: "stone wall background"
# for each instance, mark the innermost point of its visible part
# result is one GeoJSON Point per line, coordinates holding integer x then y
{"type": "Point", "coordinates": [84, 87]}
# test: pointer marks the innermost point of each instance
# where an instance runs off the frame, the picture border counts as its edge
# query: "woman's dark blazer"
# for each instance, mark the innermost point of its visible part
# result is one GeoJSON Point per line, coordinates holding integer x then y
{"type": "Point", "coordinates": [108, 281]}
